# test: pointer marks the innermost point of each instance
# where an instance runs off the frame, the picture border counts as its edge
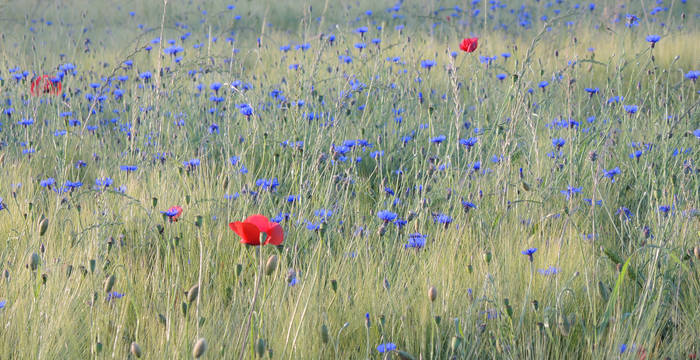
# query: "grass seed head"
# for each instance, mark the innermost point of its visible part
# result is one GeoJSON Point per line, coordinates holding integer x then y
{"type": "Point", "coordinates": [192, 293]}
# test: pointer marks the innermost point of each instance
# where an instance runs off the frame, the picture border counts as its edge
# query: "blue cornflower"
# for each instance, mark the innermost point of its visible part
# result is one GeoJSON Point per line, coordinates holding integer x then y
{"type": "Point", "coordinates": [468, 142]}
{"type": "Point", "coordinates": [570, 190]}
{"type": "Point", "coordinates": [215, 86]}
{"type": "Point", "coordinates": [191, 164]}
{"type": "Point", "coordinates": [386, 215]}
{"type": "Point", "coordinates": [360, 46]}
{"type": "Point", "coordinates": [624, 211]}
{"type": "Point", "coordinates": [146, 75]}
{"type": "Point", "coordinates": [467, 205]}
{"type": "Point", "coordinates": [415, 241]}
{"type": "Point", "coordinates": [697, 133]}
{"type": "Point", "coordinates": [386, 347]}
{"type": "Point", "coordinates": [2, 205]}
{"type": "Point", "coordinates": [631, 109]}
{"type": "Point", "coordinates": [692, 75]}
{"type": "Point", "coordinates": [529, 252]}
{"type": "Point", "coordinates": [664, 209]}
{"type": "Point", "coordinates": [128, 168]}
{"type": "Point", "coordinates": [47, 182]}
{"type": "Point", "coordinates": [592, 90]}
{"type": "Point", "coordinates": [114, 295]}
{"type": "Point", "coordinates": [558, 142]}
{"type": "Point", "coordinates": [442, 219]}
{"type": "Point", "coordinates": [623, 348]}
{"type": "Point", "coordinates": [501, 76]}
{"type": "Point", "coordinates": [653, 39]}
{"type": "Point", "coordinates": [543, 84]}
{"type": "Point", "coordinates": [361, 30]}
{"type": "Point", "coordinates": [245, 109]}
{"type": "Point", "coordinates": [427, 64]}
{"type": "Point", "coordinates": [438, 139]}
{"type": "Point", "coordinates": [611, 173]}
{"type": "Point", "coordinates": [549, 271]}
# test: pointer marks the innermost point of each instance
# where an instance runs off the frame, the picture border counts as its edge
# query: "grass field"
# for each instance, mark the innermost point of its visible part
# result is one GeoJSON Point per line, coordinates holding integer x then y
{"type": "Point", "coordinates": [538, 197]}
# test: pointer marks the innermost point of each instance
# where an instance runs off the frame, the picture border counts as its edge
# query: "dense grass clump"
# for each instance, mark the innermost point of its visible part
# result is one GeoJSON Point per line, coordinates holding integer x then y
{"type": "Point", "coordinates": [537, 196]}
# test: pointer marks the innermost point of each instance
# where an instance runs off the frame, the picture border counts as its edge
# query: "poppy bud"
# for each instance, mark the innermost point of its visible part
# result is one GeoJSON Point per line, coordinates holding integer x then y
{"type": "Point", "coordinates": [563, 325]}
{"type": "Point", "coordinates": [109, 283]}
{"type": "Point", "coordinates": [271, 265]}
{"type": "Point", "coordinates": [34, 261]}
{"type": "Point", "coordinates": [324, 334]}
{"type": "Point", "coordinates": [432, 293]}
{"type": "Point", "coordinates": [334, 285]}
{"type": "Point", "coordinates": [43, 225]}
{"type": "Point", "coordinates": [470, 268]}
{"type": "Point", "coordinates": [135, 349]}
{"type": "Point", "coordinates": [162, 319]}
{"type": "Point", "coordinates": [387, 286]}
{"type": "Point", "coordinates": [454, 344]}
{"type": "Point", "coordinates": [184, 309]}
{"type": "Point", "coordinates": [260, 347]}
{"type": "Point", "coordinates": [69, 270]}
{"type": "Point", "coordinates": [487, 256]}
{"type": "Point", "coordinates": [535, 305]}
{"type": "Point", "coordinates": [192, 293]}
{"type": "Point", "coordinates": [199, 348]}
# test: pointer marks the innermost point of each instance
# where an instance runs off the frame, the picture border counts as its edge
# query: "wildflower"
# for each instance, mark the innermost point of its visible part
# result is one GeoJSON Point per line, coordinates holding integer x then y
{"type": "Point", "coordinates": [173, 213]}
{"type": "Point", "coordinates": [2, 205]}
{"type": "Point", "coordinates": [611, 173]}
{"type": "Point", "coordinates": [2, 304]}
{"type": "Point", "coordinates": [250, 229]}
{"type": "Point", "coordinates": [469, 45]}
{"type": "Point", "coordinates": [570, 190]}
{"type": "Point", "coordinates": [631, 109]}
{"type": "Point", "coordinates": [415, 241]}
{"type": "Point", "coordinates": [549, 271]}
{"type": "Point", "coordinates": [45, 84]}
{"type": "Point", "coordinates": [653, 39]}
{"type": "Point", "coordinates": [387, 215]}
{"type": "Point", "coordinates": [114, 295]}
{"type": "Point", "coordinates": [427, 64]}
{"type": "Point", "coordinates": [128, 168]}
{"type": "Point", "coordinates": [529, 252]}
{"type": "Point", "coordinates": [468, 142]}
{"type": "Point", "coordinates": [386, 347]}
{"type": "Point", "coordinates": [438, 139]}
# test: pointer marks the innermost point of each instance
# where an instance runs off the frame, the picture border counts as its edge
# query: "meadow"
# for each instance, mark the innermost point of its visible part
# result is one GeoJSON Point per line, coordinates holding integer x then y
{"type": "Point", "coordinates": [435, 179]}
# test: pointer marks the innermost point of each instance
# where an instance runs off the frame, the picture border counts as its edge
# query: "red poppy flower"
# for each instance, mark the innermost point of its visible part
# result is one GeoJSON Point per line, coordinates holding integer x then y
{"type": "Point", "coordinates": [249, 230]}
{"type": "Point", "coordinates": [45, 84]}
{"type": "Point", "coordinates": [469, 45]}
{"type": "Point", "coordinates": [173, 213]}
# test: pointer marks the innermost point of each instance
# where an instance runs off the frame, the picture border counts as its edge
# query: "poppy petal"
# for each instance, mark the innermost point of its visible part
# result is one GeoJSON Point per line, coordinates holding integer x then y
{"type": "Point", "coordinates": [249, 233]}
{"type": "Point", "coordinates": [275, 235]}
{"type": "Point", "coordinates": [262, 222]}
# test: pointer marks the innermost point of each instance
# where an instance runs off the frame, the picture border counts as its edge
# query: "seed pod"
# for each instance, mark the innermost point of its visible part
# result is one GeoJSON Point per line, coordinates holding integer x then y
{"type": "Point", "coordinates": [432, 293]}
{"type": "Point", "coordinates": [324, 334]}
{"type": "Point", "coordinates": [563, 324]}
{"type": "Point", "coordinates": [271, 265]}
{"type": "Point", "coordinates": [192, 293]}
{"type": "Point", "coordinates": [334, 285]}
{"type": "Point", "coordinates": [135, 349]}
{"type": "Point", "coordinates": [43, 226]}
{"type": "Point", "coordinates": [260, 347]}
{"type": "Point", "coordinates": [34, 261]}
{"type": "Point", "coordinates": [199, 348]}
{"type": "Point", "coordinates": [109, 283]}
